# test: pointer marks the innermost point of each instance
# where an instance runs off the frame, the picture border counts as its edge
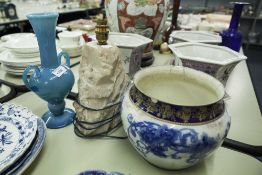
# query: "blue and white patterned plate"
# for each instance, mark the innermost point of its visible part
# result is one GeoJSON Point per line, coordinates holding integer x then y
{"type": "Point", "coordinates": [18, 128]}
{"type": "Point", "coordinates": [29, 156]}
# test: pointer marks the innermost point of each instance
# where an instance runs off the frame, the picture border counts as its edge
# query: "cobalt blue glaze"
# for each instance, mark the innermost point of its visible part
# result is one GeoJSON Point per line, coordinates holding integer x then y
{"type": "Point", "coordinates": [231, 37]}
{"type": "Point", "coordinates": [161, 140]}
{"type": "Point", "coordinates": [50, 87]}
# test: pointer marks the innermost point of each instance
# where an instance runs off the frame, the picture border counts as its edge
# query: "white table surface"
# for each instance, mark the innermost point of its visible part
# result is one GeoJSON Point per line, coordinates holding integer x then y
{"type": "Point", "coordinates": [64, 153]}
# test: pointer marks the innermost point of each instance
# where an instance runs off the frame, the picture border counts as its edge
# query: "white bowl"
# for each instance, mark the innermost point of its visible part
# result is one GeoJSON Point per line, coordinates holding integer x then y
{"type": "Point", "coordinates": [218, 61]}
{"type": "Point", "coordinates": [196, 36]}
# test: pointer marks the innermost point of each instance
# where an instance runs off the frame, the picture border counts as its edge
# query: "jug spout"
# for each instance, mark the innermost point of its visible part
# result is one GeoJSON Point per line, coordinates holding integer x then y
{"type": "Point", "coordinates": [46, 39]}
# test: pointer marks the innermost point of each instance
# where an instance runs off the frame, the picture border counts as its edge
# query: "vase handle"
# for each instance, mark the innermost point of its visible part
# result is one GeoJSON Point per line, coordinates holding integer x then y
{"type": "Point", "coordinates": [26, 71]}
{"type": "Point", "coordinates": [66, 56]}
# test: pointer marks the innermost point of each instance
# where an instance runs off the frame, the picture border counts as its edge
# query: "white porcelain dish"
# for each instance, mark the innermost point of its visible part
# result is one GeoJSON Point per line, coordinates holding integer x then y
{"type": "Point", "coordinates": [18, 128]}
{"type": "Point", "coordinates": [2, 46]}
{"type": "Point", "coordinates": [26, 55]}
{"type": "Point", "coordinates": [218, 61]}
{"type": "Point", "coordinates": [6, 57]}
{"type": "Point", "coordinates": [14, 67]}
{"type": "Point", "coordinates": [12, 70]}
{"type": "Point", "coordinates": [23, 45]}
{"type": "Point", "coordinates": [15, 36]}
{"type": "Point", "coordinates": [14, 73]}
{"type": "Point", "coordinates": [128, 40]}
{"type": "Point", "coordinates": [196, 36]}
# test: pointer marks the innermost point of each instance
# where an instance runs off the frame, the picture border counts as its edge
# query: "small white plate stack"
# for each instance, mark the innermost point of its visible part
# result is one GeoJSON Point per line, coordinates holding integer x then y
{"type": "Point", "coordinates": [22, 50]}
{"type": "Point", "coordinates": [22, 136]}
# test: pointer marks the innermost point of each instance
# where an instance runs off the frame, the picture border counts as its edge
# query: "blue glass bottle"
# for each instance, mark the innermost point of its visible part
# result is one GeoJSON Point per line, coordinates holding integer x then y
{"type": "Point", "coordinates": [231, 37]}
{"type": "Point", "coordinates": [51, 81]}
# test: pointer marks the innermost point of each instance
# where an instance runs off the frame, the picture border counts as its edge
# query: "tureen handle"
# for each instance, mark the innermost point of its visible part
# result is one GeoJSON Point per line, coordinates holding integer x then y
{"type": "Point", "coordinates": [26, 71]}
{"type": "Point", "coordinates": [66, 56]}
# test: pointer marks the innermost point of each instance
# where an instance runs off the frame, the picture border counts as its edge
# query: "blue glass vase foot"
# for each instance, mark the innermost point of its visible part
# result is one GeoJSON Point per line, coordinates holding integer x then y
{"type": "Point", "coordinates": [59, 121]}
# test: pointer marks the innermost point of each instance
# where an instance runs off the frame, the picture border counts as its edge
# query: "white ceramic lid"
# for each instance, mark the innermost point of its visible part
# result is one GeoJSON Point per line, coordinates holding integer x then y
{"type": "Point", "coordinates": [206, 53]}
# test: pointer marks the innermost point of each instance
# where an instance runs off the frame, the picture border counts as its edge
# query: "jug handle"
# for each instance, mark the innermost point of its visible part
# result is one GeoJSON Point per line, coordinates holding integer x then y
{"type": "Point", "coordinates": [26, 71]}
{"type": "Point", "coordinates": [66, 56]}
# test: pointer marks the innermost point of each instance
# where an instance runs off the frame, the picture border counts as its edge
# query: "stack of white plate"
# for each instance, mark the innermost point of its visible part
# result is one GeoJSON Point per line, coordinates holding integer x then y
{"type": "Point", "coordinates": [22, 50]}
{"type": "Point", "coordinates": [16, 36]}
{"type": "Point", "coordinates": [16, 65]}
{"type": "Point", "coordinates": [22, 136]}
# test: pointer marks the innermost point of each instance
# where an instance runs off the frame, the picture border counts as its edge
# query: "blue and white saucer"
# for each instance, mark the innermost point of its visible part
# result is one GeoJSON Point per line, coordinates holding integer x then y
{"type": "Point", "coordinates": [32, 152]}
{"type": "Point", "coordinates": [18, 128]}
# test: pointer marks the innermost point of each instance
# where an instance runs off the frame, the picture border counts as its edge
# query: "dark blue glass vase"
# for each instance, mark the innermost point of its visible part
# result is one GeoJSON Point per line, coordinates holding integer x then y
{"type": "Point", "coordinates": [231, 37]}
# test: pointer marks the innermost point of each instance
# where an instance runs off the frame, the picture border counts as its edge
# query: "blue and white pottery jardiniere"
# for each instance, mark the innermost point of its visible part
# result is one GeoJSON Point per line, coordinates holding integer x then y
{"type": "Point", "coordinates": [51, 81]}
{"type": "Point", "coordinates": [175, 116]}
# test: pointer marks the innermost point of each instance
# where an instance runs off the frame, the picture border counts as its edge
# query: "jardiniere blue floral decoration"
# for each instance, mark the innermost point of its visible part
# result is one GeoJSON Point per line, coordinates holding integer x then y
{"type": "Point", "coordinates": [52, 81]}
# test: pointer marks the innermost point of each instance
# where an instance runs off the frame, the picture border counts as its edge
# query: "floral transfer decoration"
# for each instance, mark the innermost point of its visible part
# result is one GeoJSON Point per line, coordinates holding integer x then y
{"type": "Point", "coordinates": [167, 142]}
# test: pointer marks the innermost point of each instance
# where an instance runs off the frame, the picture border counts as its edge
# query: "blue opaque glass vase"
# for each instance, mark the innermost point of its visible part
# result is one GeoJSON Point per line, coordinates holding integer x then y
{"type": "Point", "coordinates": [51, 81]}
{"type": "Point", "coordinates": [231, 37]}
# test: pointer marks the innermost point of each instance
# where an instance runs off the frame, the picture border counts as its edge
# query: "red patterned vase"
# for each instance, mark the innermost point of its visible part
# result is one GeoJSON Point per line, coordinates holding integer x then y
{"type": "Point", "coordinates": [144, 17]}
